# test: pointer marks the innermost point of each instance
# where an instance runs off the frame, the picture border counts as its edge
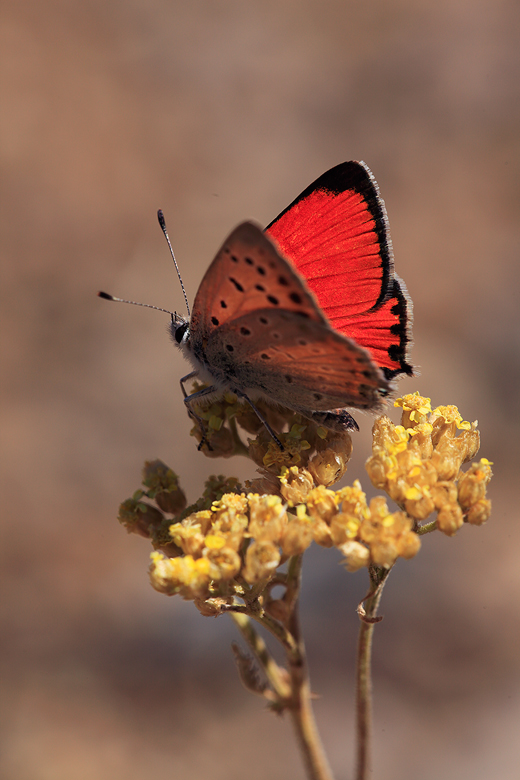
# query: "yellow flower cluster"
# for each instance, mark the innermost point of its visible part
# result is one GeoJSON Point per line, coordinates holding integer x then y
{"type": "Point", "coordinates": [365, 534]}
{"type": "Point", "coordinates": [231, 544]}
{"type": "Point", "coordinates": [240, 538]}
{"type": "Point", "coordinates": [418, 464]}
{"type": "Point", "coordinates": [244, 538]}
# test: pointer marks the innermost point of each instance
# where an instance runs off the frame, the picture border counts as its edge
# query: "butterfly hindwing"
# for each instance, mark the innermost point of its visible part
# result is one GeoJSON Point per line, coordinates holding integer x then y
{"type": "Point", "coordinates": [383, 334]}
{"type": "Point", "coordinates": [297, 362]}
{"type": "Point", "coordinates": [336, 234]}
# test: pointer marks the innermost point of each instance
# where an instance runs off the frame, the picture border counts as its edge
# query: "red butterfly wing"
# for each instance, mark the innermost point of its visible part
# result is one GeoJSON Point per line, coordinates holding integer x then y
{"type": "Point", "coordinates": [336, 234]}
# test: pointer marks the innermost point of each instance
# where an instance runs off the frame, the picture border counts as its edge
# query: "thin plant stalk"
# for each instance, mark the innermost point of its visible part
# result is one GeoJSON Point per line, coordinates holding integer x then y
{"type": "Point", "coordinates": [291, 687]}
{"type": "Point", "coordinates": [368, 621]}
{"type": "Point", "coordinates": [302, 713]}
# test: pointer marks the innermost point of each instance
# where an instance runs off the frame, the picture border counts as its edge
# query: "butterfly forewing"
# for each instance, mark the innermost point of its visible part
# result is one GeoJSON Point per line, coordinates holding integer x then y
{"type": "Point", "coordinates": [247, 275]}
{"type": "Point", "coordinates": [336, 234]}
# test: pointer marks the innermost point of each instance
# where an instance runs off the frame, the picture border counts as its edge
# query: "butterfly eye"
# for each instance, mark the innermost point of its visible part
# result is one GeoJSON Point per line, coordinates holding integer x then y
{"type": "Point", "coordinates": [180, 332]}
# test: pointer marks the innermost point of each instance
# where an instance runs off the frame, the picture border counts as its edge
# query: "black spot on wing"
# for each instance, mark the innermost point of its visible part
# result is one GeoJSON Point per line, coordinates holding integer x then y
{"type": "Point", "coordinates": [236, 283]}
{"type": "Point", "coordinates": [395, 352]}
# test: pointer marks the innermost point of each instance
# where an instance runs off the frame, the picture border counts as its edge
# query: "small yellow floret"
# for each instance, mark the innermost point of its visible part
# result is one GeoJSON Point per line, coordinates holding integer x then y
{"type": "Point", "coordinates": [413, 402]}
{"type": "Point", "coordinates": [213, 542]}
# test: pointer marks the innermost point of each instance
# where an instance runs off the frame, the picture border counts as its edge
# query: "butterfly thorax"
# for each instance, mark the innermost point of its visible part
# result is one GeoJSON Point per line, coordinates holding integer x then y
{"type": "Point", "coordinates": [193, 351]}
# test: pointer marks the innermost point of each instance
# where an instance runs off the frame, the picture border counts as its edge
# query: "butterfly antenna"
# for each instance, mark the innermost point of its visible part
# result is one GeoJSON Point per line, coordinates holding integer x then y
{"type": "Point", "coordinates": [109, 297]}
{"type": "Point", "coordinates": [162, 223]}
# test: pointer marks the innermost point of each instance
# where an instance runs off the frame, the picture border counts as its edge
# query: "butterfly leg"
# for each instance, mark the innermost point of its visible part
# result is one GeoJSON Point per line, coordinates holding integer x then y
{"type": "Point", "coordinates": [261, 417]}
{"type": "Point", "coordinates": [189, 399]}
{"type": "Point", "coordinates": [185, 379]}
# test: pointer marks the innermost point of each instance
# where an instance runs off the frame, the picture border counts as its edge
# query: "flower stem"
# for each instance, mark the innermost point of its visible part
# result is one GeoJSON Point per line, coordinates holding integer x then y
{"type": "Point", "coordinates": [271, 669]}
{"type": "Point", "coordinates": [301, 710]}
{"type": "Point", "coordinates": [291, 686]}
{"type": "Point", "coordinates": [302, 714]}
{"type": "Point", "coordinates": [363, 672]}
{"type": "Point", "coordinates": [427, 528]}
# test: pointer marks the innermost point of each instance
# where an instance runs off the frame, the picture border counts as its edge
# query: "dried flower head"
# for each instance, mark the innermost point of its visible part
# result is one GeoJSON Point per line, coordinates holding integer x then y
{"type": "Point", "coordinates": [321, 453]}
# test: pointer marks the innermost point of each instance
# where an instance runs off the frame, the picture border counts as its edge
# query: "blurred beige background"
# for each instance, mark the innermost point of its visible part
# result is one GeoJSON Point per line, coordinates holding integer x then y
{"type": "Point", "coordinates": [217, 112]}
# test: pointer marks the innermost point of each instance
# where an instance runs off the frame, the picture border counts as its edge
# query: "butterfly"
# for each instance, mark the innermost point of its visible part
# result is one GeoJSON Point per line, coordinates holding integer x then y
{"type": "Point", "coordinates": [307, 314]}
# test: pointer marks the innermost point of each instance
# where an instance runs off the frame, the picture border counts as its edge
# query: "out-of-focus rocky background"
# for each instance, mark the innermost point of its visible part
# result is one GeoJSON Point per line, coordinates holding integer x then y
{"type": "Point", "coordinates": [217, 112]}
